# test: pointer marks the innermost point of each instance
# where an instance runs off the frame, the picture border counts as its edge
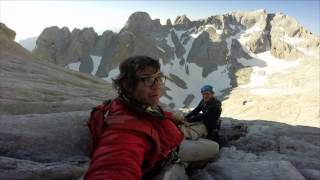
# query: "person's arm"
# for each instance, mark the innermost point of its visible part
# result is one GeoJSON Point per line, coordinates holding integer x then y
{"type": "Point", "coordinates": [119, 156]}
{"type": "Point", "coordinates": [212, 115]}
{"type": "Point", "coordinates": [197, 117]}
{"type": "Point", "coordinates": [195, 111]}
{"type": "Point", "coordinates": [218, 110]}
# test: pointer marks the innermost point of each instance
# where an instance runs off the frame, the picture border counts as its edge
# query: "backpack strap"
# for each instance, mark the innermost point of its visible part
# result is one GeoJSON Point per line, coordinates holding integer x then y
{"type": "Point", "coordinates": [97, 122]}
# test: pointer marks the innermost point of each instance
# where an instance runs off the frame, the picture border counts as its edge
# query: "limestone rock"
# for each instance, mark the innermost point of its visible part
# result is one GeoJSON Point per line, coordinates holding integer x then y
{"type": "Point", "coordinates": [81, 44]}
{"type": "Point", "coordinates": [6, 32]}
{"type": "Point", "coordinates": [253, 18]}
{"type": "Point", "coordinates": [9, 47]}
{"type": "Point", "coordinates": [258, 42]}
{"type": "Point", "coordinates": [291, 42]}
{"type": "Point", "coordinates": [36, 137]}
{"type": "Point", "coordinates": [104, 43]}
{"type": "Point", "coordinates": [52, 45]}
{"type": "Point", "coordinates": [33, 86]}
{"type": "Point", "coordinates": [128, 44]}
{"type": "Point", "coordinates": [62, 47]}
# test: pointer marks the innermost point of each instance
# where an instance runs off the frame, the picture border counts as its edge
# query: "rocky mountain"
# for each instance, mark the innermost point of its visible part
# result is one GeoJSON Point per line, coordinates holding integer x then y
{"type": "Point", "coordinates": [229, 51]}
{"type": "Point", "coordinates": [265, 68]}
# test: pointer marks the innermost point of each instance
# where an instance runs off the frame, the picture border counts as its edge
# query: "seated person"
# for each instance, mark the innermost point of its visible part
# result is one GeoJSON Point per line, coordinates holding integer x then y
{"type": "Point", "coordinates": [208, 112]}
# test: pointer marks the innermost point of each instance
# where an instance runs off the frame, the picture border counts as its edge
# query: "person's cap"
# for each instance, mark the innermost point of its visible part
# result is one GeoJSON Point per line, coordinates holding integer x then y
{"type": "Point", "coordinates": [207, 88]}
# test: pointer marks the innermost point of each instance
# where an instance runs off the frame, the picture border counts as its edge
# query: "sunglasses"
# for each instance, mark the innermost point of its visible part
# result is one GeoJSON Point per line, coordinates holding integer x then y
{"type": "Point", "coordinates": [150, 81]}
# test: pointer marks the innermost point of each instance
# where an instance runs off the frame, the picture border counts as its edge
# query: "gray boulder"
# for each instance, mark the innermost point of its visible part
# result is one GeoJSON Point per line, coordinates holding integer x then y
{"type": "Point", "coordinates": [51, 137]}
{"type": "Point", "coordinates": [266, 150]}
{"type": "Point", "coordinates": [18, 169]}
{"type": "Point", "coordinates": [233, 165]}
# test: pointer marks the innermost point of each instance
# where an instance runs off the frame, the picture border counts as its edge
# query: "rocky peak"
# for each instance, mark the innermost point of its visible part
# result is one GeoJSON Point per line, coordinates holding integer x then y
{"type": "Point", "coordinates": [139, 22]}
{"type": "Point", "coordinates": [250, 18]}
{"type": "Point", "coordinates": [54, 36]}
{"type": "Point", "coordinates": [8, 46]}
{"type": "Point", "coordinates": [6, 32]}
{"type": "Point", "coordinates": [86, 35]}
{"type": "Point", "coordinates": [292, 27]}
{"type": "Point", "coordinates": [52, 44]}
{"type": "Point", "coordinates": [183, 21]}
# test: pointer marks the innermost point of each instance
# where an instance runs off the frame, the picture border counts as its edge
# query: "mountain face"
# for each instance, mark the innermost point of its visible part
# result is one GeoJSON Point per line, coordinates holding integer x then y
{"type": "Point", "coordinates": [36, 86]}
{"type": "Point", "coordinates": [192, 53]}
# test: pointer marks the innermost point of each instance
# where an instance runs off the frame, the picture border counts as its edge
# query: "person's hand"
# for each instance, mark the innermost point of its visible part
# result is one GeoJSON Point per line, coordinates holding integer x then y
{"type": "Point", "coordinates": [178, 117]}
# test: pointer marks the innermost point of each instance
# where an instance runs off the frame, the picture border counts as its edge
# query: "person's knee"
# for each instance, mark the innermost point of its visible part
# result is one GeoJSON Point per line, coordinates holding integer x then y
{"type": "Point", "coordinates": [202, 149]}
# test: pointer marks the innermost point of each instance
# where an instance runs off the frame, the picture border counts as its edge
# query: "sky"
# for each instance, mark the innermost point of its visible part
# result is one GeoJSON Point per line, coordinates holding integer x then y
{"type": "Point", "coordinates": [29, 18]}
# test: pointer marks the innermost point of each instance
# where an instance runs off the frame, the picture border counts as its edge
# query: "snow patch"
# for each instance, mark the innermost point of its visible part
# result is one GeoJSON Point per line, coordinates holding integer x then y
{"type": "Point", "coordinates": [229, 40]}
{"type": "Point", "coordinates": [219, 79]}
{"type": "Point", "coordinates": [169, 40]}
{"type": "Point", "coordinates": [112, 74]}
{"type": "Point", "coordinates": [260, 73]}
{"type": "Point", "coordinates": [232, 26]}
{"type": "Point", "coordinates": [270, 92]}
{"type": "Point", "coordinates": [188, 46]}
{"type": "Point", "coordinates": [291, 40]}
{"type": "Point", "coordinates": [74, 66]}
{"type": "Point", "coordinates": [96, 62]}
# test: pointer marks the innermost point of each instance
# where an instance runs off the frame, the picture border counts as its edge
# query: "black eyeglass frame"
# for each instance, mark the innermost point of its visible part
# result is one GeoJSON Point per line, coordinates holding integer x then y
{"type": "Point", "coordinates": [150, 81]}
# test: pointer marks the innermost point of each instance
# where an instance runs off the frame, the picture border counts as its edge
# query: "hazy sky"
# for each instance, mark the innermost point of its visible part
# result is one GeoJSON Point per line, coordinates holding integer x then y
{"type": "Point", "coordinates": [29, 18]}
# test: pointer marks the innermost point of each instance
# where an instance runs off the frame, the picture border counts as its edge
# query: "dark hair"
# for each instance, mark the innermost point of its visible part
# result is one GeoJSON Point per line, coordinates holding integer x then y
{"type": "Point", "coordinates": [127, 80]}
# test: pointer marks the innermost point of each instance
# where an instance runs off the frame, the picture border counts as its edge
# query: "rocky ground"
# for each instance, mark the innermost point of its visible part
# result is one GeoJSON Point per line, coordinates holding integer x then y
{"type": "Point", "coordinates": [265, 150]}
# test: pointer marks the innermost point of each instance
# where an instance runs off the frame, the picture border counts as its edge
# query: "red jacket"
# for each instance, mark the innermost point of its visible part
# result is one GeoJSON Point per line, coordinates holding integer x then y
{"type": "Point", "coordinates": [130, 138]}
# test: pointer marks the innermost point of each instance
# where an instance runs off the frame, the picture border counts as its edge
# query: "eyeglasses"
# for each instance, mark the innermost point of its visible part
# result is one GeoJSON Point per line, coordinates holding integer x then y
{"type": "Point", "coordinates": [150, 81]}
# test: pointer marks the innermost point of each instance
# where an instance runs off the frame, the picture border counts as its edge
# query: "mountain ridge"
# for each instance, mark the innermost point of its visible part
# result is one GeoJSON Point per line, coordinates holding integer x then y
{"type": "Point", "coordinates": [216, 44]}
